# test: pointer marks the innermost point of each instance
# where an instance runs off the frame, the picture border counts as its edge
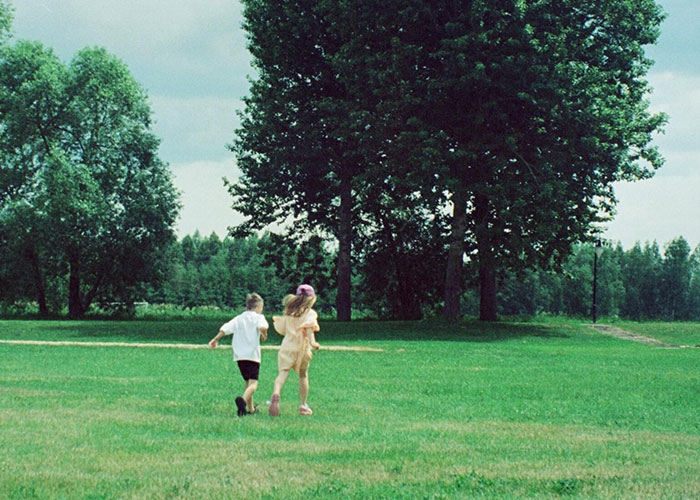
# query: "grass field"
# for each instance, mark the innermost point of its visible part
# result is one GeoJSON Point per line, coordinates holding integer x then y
{"type": "Point", "coordinates": [502, 411]}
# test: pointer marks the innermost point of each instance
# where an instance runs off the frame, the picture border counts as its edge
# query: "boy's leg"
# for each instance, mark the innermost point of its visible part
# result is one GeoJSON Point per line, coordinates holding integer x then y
{"type": "Point", "coordinates": [251, 383]}
{"type": "Point", "coordinates": [250, 387]}
{"type": "Point", "coordinates": [250, 371]}
{"type": "Point", "coordinates": [240, 404]}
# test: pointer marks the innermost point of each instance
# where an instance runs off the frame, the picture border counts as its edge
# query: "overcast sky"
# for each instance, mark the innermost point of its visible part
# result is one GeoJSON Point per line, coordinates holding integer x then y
{"type": "Point", "coordinates": [191, 58]}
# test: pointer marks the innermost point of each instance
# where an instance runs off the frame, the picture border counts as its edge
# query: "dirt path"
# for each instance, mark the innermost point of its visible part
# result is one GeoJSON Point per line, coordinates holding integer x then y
{"type": "Point", "coordinates": [624, 334]}
{"type": "Point", "coordinates": [170, 346]}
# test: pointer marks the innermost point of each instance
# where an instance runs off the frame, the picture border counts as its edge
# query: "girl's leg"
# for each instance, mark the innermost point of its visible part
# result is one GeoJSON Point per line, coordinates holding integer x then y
{"type": "Point", "coordinates": [275, 399]}
{"type": "Point", "coordinates": [250, 387]}
{"type": "Point", "coordinates": [279, 381]}
{"type": "Point", "coordinates": [303, 386]}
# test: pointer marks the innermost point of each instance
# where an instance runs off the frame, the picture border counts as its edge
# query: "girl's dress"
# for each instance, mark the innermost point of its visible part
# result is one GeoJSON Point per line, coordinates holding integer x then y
{"type": "Point", "coordinates": [295, 351]}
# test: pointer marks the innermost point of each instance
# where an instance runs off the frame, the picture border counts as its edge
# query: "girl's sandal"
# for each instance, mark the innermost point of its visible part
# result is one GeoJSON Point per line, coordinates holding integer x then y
{"type": "Point", "coordinates": [275, 405]}
{"type": "Point", "coordinates": [305, 410]}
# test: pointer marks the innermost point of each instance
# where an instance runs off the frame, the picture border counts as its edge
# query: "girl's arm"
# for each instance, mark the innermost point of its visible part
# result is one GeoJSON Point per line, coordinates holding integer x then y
{"type": "Point", "coordinates": [309, 332]}
{"type": "Point", "coordinates": [279, 322]}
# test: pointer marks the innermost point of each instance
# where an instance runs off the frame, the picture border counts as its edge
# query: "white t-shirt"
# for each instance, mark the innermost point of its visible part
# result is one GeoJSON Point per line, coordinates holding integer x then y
{"type": "Point", "coordinates": [246, 337]}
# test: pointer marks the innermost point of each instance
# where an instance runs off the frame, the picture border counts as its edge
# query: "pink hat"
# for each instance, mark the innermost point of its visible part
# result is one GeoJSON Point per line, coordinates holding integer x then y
{"type": "Point", "coordinates": [305, 290]}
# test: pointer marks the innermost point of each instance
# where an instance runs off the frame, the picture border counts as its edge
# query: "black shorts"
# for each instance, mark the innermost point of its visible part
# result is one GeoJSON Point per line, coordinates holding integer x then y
{"type": "Point", "coordinates": [249, 369]}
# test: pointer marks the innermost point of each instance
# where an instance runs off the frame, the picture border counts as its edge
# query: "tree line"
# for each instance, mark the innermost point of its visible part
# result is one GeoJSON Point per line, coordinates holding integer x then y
{"type": "Point", "coordinates": [641, 283]}
{"type": "Point", "coordinates": [413, 151]}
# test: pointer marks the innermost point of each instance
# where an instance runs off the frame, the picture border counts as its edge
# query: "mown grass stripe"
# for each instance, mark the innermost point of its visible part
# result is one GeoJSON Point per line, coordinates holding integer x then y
{"type": "Point", "coordinates": [167, 346]}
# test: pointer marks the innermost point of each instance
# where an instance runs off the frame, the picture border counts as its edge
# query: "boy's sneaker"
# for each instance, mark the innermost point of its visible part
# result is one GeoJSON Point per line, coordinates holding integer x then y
{"type": "Point", "coordinates": [241, 404]}
{"type": "Point", "coordinates": [305, 410]}
{"type": "Point", "coordinates": [275, 405]}
{"type": "Point", "coordinates": [254, 412]}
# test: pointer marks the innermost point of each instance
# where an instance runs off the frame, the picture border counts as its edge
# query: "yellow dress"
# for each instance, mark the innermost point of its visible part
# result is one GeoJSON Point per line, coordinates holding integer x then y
{"type": "Point", "coordinates": [295, 351]}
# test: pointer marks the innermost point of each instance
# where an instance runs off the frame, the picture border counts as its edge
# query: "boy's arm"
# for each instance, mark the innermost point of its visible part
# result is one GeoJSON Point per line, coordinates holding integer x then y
{"type": "Point", "coordinates": [215, 341]}
{"type": "Point", "coordinates": [263, 333]}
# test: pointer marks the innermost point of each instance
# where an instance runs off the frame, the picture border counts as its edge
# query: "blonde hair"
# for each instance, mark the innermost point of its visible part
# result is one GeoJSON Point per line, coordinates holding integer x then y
{"type": "Point", "coordinates": [252, 301]}
{"type": "Point", "coordinates": [298, 305]}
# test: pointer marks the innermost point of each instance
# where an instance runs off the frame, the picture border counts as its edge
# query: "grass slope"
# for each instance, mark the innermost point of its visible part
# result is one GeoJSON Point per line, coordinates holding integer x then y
{"type": "Point", "coordinates": [673, 333]}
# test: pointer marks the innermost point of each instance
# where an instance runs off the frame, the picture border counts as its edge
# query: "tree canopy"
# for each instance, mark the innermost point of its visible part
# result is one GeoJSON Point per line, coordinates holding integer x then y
{"type": "Point", "coordinates": [83, 194]}
{"type": "Point", "coordinates": [542, 105]}
{"type": "Point", "coordinates": [518, 115]}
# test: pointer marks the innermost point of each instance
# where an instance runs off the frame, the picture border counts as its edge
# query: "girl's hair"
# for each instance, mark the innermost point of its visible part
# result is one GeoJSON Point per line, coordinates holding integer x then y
{"type": "Point", "coordinates": [252, 301]}
{"type": "Point", "coordinates": [297, 305]}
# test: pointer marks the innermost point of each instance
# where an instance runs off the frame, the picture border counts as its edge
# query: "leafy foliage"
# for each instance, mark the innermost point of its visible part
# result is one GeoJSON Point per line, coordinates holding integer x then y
{"type": "Point", "coordinates": [85, 202]}
{"type": "Point", "coordinates": [520, 114]}
{"type": "Point", "coordinates": [209, 271]}
{"type": "Point", "coordinates": [5, 20]}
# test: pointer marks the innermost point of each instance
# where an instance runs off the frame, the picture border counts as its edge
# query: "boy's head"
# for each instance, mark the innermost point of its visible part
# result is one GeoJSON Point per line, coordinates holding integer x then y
{"type": "Point", "coordinates": [254, 302]}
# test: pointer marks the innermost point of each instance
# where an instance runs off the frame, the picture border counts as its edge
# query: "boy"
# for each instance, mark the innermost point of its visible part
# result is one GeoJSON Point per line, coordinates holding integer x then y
{"type": "Point", "coordinates": [247, 329]}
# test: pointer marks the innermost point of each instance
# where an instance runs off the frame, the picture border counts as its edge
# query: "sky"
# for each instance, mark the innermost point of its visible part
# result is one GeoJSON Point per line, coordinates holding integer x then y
{"type": "Point", "coordinates": [191, 59]}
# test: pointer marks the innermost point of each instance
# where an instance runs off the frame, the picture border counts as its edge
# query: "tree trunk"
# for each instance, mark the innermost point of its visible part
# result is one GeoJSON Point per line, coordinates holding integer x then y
{"type": "Point", "coordinates": [409, 305]}
{"type": "Point", "coordinates": [487, 263]}
{"type": "Point", "coordinates": [93, 292]}
{"type": "Point", "coordinates": [405, 306]}
{"type": "Point", "coordinates": [75, 306]}
{"type": "Point", "coordinates": [343, 300]}
{"type": "Point", "coordinates": [455, 256]}
{"type": "Point", "coordinates": [487, 287]}
{"type": "Point", "coordinates": [38, 283]}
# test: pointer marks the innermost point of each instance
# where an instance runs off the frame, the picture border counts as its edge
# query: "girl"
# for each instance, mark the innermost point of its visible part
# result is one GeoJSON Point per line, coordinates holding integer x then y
{"type": "Point", "coordinates": [298, 326]}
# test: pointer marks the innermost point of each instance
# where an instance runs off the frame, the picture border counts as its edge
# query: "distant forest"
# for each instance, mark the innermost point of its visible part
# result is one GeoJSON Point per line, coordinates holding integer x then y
{"type": "Point", "coordinates": [640, 283]}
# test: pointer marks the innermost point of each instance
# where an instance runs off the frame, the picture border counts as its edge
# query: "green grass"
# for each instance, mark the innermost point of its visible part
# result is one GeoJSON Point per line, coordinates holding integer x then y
{"type": "Point", "coordinates": [504, 411]}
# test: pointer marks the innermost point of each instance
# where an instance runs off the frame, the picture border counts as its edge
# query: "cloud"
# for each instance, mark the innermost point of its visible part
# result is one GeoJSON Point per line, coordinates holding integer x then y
{"type": "Point", "coordinates": [678, 95]}
{"type": "Point", "coordinates": [186, 47]}
{"type": "Point", "coordinates": [661, 209]}
{"type": "Point", "coordinates": [666, 206]}
{"type": "Point", "coordinates": [194, 128]}
{"type": "Point", "coordinates": [206, 202]}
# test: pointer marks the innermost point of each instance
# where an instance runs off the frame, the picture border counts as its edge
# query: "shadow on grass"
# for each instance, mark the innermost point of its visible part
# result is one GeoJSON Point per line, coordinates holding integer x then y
{"type": "Point", "coordinates": [200, 331]}
{"type": "Point", "coordinates": [185, 331]}
{"type": "Point", "coordinates": [435, 329]}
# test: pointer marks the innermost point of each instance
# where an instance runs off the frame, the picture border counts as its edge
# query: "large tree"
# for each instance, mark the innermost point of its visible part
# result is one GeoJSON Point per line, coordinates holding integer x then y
{"type": "Point", "coordinates": [541, 106]}
{"type": "Point", "coordinates": [516, 114]}
{"type": "Point", "coordinates": [299, 147]}
{"type": "Point", "coordinates": [318, 147]}
{"type": "Point", "coordinates": [77, 149]}
{"type": "Point", "coordinates": [33, 85]}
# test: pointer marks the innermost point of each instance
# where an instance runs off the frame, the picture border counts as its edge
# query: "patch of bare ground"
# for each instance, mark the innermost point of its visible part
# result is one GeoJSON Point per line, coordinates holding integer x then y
{"type": "Point", "coordinates": [624, 334]}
